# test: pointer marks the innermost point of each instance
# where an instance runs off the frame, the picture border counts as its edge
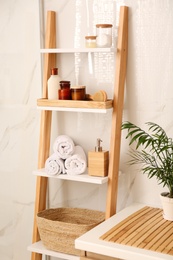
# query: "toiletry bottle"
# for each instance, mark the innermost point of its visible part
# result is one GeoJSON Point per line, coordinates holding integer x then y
{"type": "Point", "coordinates": [64, 92]}
{"type": "Point", "coordinates": [98, 161]}
{"type": "Point", "coordinates": [53, 84]}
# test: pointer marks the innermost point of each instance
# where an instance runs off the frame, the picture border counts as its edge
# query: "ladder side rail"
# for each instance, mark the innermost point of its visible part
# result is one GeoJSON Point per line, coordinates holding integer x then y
{"type": "Point", "coordinates": [115, 142]}
{"type": "Point", "coordinates": [45, 127]}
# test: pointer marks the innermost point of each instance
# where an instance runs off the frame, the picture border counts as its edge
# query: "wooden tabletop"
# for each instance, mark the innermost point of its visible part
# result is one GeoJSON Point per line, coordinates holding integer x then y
{"type": "Point", "coordinates": [137, 232]}
{"type": "Point", "coordinates": [145, 229]}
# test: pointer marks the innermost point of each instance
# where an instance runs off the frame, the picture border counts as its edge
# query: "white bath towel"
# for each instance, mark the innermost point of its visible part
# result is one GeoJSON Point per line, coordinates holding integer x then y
{"type": "Point", "coordinates": [63, 146]}
{"type": "Point", "coordinates": [77, 163]}
{"type": "Point", "coordinates": [54, 165]}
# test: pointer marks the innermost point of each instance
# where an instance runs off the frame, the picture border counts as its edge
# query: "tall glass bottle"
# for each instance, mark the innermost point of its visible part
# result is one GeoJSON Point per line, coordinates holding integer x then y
{"type": "Point", "coordinates": [53, 84]}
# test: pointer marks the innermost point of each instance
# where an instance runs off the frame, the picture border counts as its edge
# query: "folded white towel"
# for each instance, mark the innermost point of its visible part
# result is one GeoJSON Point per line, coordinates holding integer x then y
{"type": "Point", "coordinates": [77, 163]}
{"type": "Point", "coordinates": [63, 146]}
{"type": "Point", "coordinates": [54, 165]}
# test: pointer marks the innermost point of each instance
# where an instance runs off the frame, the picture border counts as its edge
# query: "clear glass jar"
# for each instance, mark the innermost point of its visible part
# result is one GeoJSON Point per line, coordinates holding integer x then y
{"type": "Point", "coordinates": [104, 35]}
{"type": "Point", "coordinates": [90, 41]}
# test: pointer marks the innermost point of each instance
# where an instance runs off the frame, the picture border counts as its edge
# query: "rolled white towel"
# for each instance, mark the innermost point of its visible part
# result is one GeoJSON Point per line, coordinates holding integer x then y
{"type": "Point", "coordinates": [77, 163]}
{"type": "Point", "coordinates": [54, 165]}
{"type": "Point", "coordinates": [63, 146]}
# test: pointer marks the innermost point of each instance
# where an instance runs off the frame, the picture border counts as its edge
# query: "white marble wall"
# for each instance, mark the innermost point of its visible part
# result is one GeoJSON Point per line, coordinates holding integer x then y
{"type": "Point", "coordinates": [148, 97]}
{"type": "Point", "coordinates": [149, 91]}
{"type": "Point", "coordinates": [19, 128]}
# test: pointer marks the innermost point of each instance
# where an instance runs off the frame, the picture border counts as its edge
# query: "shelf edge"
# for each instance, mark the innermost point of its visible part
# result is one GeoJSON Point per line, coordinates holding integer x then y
{"type": "Point", "coordinates": [78, 178]}
{"type": "Point", "coordinates": [77, 50]}
{"type": "Point", "coordinates": [71, 109]}
{"type": "Point", "coordinates": [39, 248]}
{"type": "Point", "coordinates": [75, 106]}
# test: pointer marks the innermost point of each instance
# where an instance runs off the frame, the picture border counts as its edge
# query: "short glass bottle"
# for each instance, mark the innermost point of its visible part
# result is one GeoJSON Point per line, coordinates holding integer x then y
{"type": "Point", "coordinates": [64, 93]}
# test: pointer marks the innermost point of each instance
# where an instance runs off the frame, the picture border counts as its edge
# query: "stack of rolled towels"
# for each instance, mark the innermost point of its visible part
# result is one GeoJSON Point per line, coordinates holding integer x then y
{"type": "Point", "coordinates": [67, 158]}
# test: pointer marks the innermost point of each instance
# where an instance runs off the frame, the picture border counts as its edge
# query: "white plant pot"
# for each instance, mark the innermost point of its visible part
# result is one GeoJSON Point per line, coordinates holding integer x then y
{"type": "Point", "coordinates": [167, 204]}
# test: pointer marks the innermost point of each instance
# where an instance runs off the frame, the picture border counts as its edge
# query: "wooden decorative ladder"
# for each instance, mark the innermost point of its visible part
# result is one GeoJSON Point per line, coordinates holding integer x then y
{"type": "Point", "coordinates": [46, 116]}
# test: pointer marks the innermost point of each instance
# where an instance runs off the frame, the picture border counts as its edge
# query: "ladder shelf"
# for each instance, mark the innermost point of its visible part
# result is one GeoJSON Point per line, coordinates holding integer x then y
{"type": "Point", "coordinates": [79, 178]}
{"type": "Point", "coordinates": [50, 52]}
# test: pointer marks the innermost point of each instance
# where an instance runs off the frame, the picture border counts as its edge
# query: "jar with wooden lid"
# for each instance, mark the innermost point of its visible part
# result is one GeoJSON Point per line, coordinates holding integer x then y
{"type": "Point", "coordinates": [104, 35]}
{"type": "Point", "coordinates": [78, 93]}
{"type": "Point", "coordinates": [90, 41]}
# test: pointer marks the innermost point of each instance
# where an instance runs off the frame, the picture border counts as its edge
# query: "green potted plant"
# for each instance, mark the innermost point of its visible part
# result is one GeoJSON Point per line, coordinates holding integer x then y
{"type": "Point", "coordinates": [154, 151]}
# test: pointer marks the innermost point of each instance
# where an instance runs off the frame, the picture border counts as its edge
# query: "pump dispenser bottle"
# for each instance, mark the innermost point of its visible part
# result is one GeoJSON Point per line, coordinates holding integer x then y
{"type": "Point", "coordinates": [53, 84]}
{"type": "Point", "coordinates": [98, 161]}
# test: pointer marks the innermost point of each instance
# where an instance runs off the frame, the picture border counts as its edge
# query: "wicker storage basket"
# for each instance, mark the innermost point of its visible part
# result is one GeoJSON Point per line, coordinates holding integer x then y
{"type": "Point", "coordinates": [60, 227]}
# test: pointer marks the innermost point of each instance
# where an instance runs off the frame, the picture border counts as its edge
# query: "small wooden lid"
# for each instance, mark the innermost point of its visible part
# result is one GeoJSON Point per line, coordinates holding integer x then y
{"type": "Point", "coordinates": [104, 25]}
{"type": "Point", "coordinates": [78, 87]}
{"type": "Point", "coordinates": [90, 37]}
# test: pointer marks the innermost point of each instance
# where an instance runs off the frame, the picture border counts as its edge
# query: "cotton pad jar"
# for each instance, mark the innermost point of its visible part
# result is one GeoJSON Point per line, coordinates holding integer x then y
{"type": "Point", "coordinates": [104, 35]}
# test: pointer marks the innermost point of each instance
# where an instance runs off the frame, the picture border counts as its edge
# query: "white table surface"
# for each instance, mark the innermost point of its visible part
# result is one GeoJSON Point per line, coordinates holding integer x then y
{"type": "Point", "coordinates": [90, 241]}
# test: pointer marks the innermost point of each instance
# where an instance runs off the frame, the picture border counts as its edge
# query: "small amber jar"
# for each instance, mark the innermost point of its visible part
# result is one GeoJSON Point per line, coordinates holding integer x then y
{"type": "Point", "coordinates": [78, 93]}
{"type": "Point", "coordinates": [64, 94]}
{"type": "Point", "coordinates": [64, 84]}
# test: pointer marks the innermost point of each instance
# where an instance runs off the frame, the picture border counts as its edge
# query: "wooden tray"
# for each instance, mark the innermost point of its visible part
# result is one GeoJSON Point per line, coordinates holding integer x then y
{"type": "Point", "coordinates": [75, 104]}
{"type": "Point", "coordinates": [144, 229]}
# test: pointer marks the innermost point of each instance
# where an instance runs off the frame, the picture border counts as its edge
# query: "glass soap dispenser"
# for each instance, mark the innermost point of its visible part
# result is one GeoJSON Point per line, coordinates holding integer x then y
{"type": "Point", "coordinates": [53, 84]}
{"type": "Point", "coordinates": [98, 161]}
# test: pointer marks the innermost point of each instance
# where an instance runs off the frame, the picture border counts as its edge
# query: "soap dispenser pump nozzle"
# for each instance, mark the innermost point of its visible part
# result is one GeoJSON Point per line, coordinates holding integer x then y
{"type": "Point", "coordinates": [98, 147]}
